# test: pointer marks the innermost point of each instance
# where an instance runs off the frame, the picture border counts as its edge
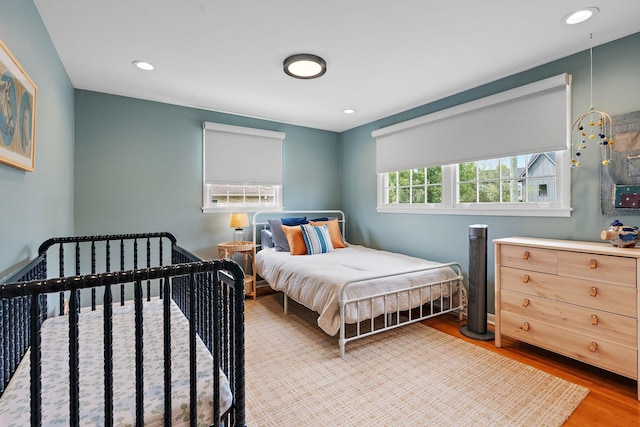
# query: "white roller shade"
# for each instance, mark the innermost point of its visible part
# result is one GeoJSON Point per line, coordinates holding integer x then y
{"type": "Point", "coordinates": [530, 119]}
{"type": "Point", "coordinates": [239, 155]}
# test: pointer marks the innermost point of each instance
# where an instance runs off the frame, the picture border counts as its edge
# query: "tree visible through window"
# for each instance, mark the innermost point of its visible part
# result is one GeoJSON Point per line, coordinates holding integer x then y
{"type": "Point", "coordinates": [415, 186]}
{"type": "Point", "coordinates": [495, 180]}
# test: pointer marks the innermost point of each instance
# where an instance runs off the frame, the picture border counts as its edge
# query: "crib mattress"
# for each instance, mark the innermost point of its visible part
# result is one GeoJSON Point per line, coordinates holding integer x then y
{"type": "Point", "coordinates": [14, 404]}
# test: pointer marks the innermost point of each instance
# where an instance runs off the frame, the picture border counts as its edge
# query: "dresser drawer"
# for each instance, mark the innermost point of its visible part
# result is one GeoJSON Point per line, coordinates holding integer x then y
{"type": "Point", "coordinates": [596, 351]}
{"type": "Point", "coordinates": [534, 259]}
{"type": "Point", "coordinates": [596, 323]}
{"type": "Point", "coordinates": [600, 296]}
{"type": "Point", "coordinates": [600, 268]}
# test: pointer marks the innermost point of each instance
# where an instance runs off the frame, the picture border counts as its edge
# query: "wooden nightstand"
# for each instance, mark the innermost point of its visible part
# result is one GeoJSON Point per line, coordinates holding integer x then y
{"type": "Point", "coordinates": [248, 250]}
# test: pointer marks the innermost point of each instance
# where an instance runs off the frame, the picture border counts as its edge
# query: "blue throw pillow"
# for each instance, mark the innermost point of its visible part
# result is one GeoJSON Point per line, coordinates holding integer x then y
{"type": "Point", "coordinates": [293, 221]}
{"type": "Point", "coordinates": [317, 239]}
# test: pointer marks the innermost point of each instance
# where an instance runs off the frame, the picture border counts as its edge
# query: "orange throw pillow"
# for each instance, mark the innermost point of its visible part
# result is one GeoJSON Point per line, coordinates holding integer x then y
{"type": "Point", "coordinates": [295, 239]}
{"type": "Point", "coordinates": [334, 232]}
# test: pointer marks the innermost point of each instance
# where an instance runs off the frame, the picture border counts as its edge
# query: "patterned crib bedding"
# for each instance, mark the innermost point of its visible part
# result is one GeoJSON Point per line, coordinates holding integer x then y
{"type": "Point", "coordinates": [14, 404]}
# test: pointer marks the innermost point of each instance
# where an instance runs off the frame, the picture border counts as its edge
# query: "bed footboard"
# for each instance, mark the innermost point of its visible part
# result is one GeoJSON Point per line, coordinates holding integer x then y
{"type": "Point", "coordinates": [384, 311]}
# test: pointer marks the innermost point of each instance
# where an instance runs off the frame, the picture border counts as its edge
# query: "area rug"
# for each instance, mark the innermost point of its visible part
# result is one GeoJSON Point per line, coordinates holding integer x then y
{"type": "Point", "coordinates": [411, 376]}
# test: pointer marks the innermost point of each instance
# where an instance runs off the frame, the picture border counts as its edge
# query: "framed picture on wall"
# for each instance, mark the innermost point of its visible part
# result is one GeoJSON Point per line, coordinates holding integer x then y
{"type": "Point", "coordinates": [18, 96]}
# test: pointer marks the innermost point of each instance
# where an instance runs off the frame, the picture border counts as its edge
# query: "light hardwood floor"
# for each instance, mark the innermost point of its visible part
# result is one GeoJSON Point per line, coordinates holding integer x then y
{"type": "Point", "coordinates": [612, 400]}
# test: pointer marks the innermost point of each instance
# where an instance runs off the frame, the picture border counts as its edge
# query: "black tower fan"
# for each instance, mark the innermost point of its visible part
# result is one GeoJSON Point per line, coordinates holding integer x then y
{"type": "Point", "coordinates": [476, 327]}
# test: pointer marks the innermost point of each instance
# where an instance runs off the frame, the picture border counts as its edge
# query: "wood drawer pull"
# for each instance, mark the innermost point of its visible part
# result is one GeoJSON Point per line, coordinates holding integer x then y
{"type": "Point", "coordinates": [525, 255]}
{"type": "Point", "coordinates": [525, 303]}
{"type": "Point", "coordinates": [594, 319]}
{"type": "Point", "coordinates": [525, 278]}
{"type": "Point", "coordinates": [525, 327]}
{"type": "Point", "coordinates": [593, 292]}
{"type": "Point", "coordinates": [593, 264]}
{"type": "Point", "coordinates": [593, 347]}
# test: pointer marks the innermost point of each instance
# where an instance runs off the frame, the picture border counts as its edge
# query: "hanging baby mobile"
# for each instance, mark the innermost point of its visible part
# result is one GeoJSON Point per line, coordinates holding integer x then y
{"type": "Point", "coordinates": [592, 126]}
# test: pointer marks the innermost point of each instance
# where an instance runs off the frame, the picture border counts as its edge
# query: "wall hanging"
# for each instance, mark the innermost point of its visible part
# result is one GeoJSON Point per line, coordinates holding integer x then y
{"type": "Point", "coordinates": [17, 113]}
{"type": "Point", "coordinates": [620, 179]}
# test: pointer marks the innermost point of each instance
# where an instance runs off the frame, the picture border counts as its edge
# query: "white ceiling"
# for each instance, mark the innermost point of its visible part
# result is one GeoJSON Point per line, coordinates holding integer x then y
{"type": "Point", "coordinates": [383, 56]}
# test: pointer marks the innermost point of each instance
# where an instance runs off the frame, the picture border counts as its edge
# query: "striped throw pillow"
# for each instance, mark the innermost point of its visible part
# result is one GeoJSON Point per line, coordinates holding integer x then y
{"type": "Point", "coordinates": [317, 239]}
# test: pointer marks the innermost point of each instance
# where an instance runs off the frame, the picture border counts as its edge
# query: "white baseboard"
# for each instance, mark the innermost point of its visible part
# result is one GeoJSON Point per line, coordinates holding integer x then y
{"type": "Point", "coordinates": [491, 319]}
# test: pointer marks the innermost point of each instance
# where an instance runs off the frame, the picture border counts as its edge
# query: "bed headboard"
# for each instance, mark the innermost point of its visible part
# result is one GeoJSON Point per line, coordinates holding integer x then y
{"type": "Point", "coordinates": [260, 220]}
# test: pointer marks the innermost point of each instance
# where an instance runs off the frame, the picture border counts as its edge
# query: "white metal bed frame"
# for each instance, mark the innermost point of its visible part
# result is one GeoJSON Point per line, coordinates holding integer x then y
{"type": "Point", "coordinates": [392, 319]}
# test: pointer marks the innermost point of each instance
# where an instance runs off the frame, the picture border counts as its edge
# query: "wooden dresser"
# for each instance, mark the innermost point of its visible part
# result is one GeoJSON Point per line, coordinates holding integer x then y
{"type": "Point", "coordinates": [578, 299]}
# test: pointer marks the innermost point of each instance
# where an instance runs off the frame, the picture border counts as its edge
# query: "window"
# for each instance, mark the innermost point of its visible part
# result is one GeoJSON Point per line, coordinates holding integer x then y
{"type": "Point", "coordinates": [415, 186]}
{"type": "Point", "coordinates": [497, 160]}
{"type": "Point", "coordinates": [542, 190]}
{"type": "Point", "coordinates": [508, 180]}
{"type": "Point", "coordinates": [247, 195]}
{"type": "Point", "coordinates": [517, 185]}
{"type": "Point", "coordinates": [242, 168]}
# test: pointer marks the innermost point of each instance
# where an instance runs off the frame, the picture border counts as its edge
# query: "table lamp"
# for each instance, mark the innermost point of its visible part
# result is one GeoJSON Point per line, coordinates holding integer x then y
{"type": "Point", "coordinates": [238, 221]}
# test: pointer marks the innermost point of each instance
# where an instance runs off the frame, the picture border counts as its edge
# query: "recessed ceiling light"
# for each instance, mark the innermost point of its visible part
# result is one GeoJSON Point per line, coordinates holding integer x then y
{"type": "Point", "coordinates": [348, 111]}
{"type": "Point", "coordinates": [143, 65]}
{"type": "Point", "coordinates": [580, 15]}
{"type": "Point", "coordinates": [304, 66]}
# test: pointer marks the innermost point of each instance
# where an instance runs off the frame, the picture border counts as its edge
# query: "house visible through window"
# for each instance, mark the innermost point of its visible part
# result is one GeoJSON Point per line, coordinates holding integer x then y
{"type": "Point", "coordinates": [242, 168]}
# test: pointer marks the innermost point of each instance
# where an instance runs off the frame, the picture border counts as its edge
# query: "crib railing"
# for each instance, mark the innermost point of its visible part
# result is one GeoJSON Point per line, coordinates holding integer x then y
{"type": "Point", "coordinates": [15, 321]}
{"type": "Point", "coordinates": [210, 294]}
{"type": "Point", "coordinates": [118, 252]}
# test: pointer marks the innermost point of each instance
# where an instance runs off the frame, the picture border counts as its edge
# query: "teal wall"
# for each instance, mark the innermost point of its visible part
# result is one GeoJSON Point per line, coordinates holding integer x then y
{"type": "Point", "coordinates": [37, 205]}
{"type": "Point", "coordinates": [139, 168]}
{"type": "Point", "coordinates": [445, 237]}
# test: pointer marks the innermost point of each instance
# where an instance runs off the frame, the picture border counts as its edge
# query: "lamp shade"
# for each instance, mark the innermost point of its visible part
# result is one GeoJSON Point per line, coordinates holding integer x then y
{"type": "Point", "coordinates": [239, 220]}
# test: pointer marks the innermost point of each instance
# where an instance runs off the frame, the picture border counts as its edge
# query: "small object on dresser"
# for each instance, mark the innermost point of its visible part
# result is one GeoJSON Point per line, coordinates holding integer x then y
{"type": "Point", "coordinates": [620, 235]}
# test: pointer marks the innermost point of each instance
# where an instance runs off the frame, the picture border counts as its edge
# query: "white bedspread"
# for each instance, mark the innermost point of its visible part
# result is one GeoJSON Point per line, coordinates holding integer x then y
{"type": "Point", "coordinates": [14, 405]}
{"type": "Point", "coordinates": [317, 280]}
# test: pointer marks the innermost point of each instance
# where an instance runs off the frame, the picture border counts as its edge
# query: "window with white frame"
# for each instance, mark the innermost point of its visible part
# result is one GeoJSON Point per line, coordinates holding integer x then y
{"type": "Point", "coordinates": [518, 179]}
{"type": "Point", "coordinates": [242, 168]}
{"type": "Point", "coordinates": [414, 186]}
{"type": "Point", "coordinates": [508, 165]}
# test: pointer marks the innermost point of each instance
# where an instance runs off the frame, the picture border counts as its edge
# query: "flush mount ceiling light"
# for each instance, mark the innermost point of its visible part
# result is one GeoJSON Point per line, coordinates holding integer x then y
{"type": "Point", "coordinates": [349, 111]}
{"type": "Point", "coordinates": [580, 15]}
{"type": "Point", "coordinates": [143, 65]}
{"type": "Point", "coordinates": [305, 66]}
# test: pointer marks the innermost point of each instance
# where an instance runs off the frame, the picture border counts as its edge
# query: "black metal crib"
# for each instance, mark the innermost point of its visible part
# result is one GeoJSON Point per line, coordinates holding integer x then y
{"type": "Point", "coordinates": [141, 266]}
